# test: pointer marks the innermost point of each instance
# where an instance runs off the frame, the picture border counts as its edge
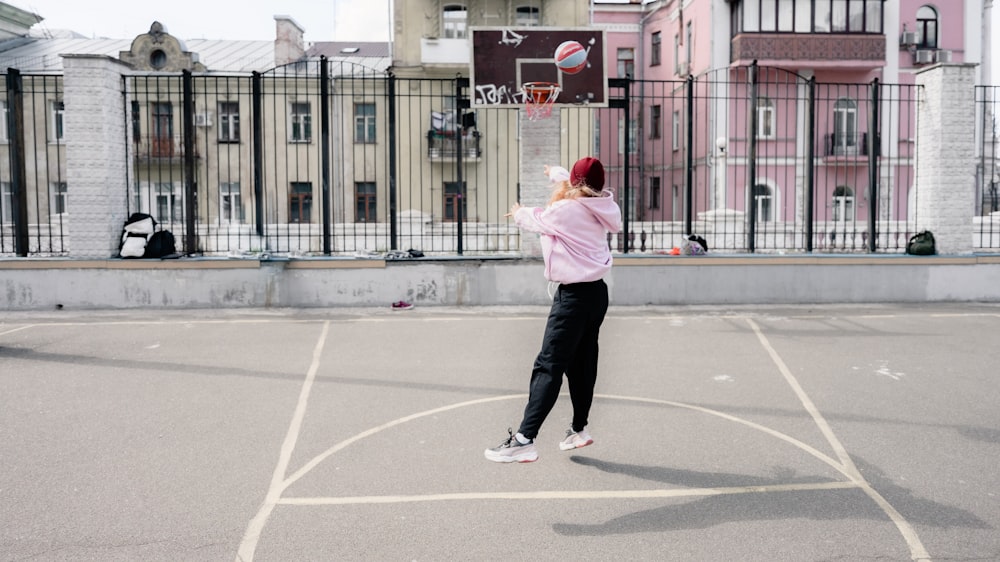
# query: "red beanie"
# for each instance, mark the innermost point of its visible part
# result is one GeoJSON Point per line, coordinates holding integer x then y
{"type": "Point", "coordinates": [588, 171]}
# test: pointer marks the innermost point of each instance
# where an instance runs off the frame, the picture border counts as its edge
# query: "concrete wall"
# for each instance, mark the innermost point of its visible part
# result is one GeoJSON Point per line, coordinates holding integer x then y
{"type": "Point", "coordinates": [634, 281]}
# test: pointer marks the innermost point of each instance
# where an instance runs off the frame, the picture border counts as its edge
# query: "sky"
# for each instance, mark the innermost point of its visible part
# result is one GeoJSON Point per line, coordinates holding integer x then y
{"type": "Point", "coordinates": [323, 20]}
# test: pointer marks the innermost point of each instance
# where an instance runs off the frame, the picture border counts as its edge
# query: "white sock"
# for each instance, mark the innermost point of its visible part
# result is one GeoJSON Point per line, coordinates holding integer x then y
{"type": "Point", "coordinates": [522, 439]}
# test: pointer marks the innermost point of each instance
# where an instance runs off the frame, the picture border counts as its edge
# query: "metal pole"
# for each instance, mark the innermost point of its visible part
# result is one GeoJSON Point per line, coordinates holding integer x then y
{"type": "Point", "coordinates": [324, 117]}
{"type": "Point", "coordinates": [257, 94]}
{"type": "Point", "coordinates": [689, 150]}
{"type": "Point", "coordinates": [15, 134]}
{"type": "Point", "coordinates": [190, 188]}
{"type": "Point", "coordinates": [873, 147]}
{"type": "Point", "coordinates": [810, 163]}
{"type": "Point", "coordinates": [393, 232]}
{"type": "Point", "coordinates": [751, 204]}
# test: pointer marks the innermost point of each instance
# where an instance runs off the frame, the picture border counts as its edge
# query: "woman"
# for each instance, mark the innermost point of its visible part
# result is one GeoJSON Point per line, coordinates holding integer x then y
{"type": "Point", "coordinates": [573, 229]}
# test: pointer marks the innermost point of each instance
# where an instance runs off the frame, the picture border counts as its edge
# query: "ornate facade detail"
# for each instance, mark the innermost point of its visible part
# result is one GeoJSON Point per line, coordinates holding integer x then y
{"type": "Point", "coordinates": [159, 51]}
{"type": "Point", "coordinates": [764, 47]}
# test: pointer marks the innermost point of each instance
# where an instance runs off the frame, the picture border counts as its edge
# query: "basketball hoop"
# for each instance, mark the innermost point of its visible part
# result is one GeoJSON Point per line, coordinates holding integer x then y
{"type": "Point", "coordinates": [539, 98]}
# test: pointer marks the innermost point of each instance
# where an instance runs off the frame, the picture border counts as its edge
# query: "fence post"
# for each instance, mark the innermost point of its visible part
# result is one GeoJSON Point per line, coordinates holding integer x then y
{"type": "Point", "coordinates": [97, 157]}
{"type": "Point", "coordinates": [324, 144]}
{"type": "Point", "coordinates": [625, 240]}
{"type": "Point", "coordinates": [872, 146]}
{"type": "Point", "coordinates": [393, 228]}
{"type": "Point", "coordinates": [689, 173]}
{"type": "Point", "coordinates": [257, 95]}
{"type": "Point", "coordinates": [460, 206]}
{"type": "Point", "coordinates": [190, 187]}
{"type": "Point", "coordinates": [946, 155]}
{"type": "Point", "coordinates": [810, 193]}
{"type": "Point", "coordinates": [751, 204]}
{"type": "Point", "coordinates": [15, 134]}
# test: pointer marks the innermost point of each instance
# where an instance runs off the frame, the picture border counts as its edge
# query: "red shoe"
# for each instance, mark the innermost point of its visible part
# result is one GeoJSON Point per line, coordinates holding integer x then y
{"type": "Point", "coordinates": [401, 305]}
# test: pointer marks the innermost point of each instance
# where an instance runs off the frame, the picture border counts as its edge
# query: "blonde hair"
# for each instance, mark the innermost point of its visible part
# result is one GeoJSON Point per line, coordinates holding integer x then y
{"type": "Point", "coordinates": [565, 190]}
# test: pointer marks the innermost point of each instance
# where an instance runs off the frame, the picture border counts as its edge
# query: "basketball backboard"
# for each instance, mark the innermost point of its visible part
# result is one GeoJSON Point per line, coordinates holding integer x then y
{"type": "Point", "coordinates": [504, 58]}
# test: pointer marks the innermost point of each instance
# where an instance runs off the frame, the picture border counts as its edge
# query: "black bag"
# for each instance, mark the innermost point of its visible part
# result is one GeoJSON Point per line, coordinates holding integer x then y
{"type": "Point", "coordinates": [701, 241]}
{"type": "Point", "coordinates": [160, 244]}
{"type": "Point", "coordinates": [921, 244]}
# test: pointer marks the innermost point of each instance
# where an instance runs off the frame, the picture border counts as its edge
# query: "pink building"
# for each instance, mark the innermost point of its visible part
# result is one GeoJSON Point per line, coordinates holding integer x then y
{"type": "Point", "coordinates": [788, 124]}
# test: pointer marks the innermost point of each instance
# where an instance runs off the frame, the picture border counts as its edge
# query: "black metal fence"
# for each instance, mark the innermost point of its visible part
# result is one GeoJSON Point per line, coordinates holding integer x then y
{"type": "Point", "coordinates": [987, 220]}
{"type": "Point", "coordinates": [33, 186]}
{"type": "Point", "coordinates": [332, 158]}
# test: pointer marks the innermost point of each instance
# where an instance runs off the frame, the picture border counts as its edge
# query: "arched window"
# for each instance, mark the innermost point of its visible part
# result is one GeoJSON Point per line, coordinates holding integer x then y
{"type": "Point", "coordinates": [927, 28]}
{"type": "Point", "coordinates": [843, 203]}
{"type": "Point", "coordinates": [763, 198]}
{"type": "Point", "coordinates": [455, 20]}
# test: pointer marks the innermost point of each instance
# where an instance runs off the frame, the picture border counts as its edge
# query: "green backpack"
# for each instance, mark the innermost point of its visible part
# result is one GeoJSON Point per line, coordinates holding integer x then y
{"type": "Point", "coordinates": [921, 244]}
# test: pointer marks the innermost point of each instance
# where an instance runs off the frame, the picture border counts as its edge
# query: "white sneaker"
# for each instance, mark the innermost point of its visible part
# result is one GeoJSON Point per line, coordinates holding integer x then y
{"type": "Point", "coordinates": [511, 450]}
{"type": "Point", "coordinates": [575, 439]}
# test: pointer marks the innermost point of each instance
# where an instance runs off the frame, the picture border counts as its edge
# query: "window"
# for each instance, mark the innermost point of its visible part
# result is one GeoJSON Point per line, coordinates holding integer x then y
{"type": "Point", "coordinates": [300, 202]}
{"type": "Point", "coordinates": [454, 21]}
{"type": "Point", "coordinates": [169, 203]}
{"type": "Point", "coordinates": [688, 47]}
{"type": "Point", "coordinates": [654, 193]}
{"type": "Point", "coordinates": [452, 199]}
{"type": "Point", "coordinates": [654, 50]}
{"type": "Point", "coordinates": [765, 118]}
{"type": "Point", "coordinates": [762, 197]}
{"type": "Point", "coordinates": [527, 16]}
{"type": "Point", "coordinates": [301, 119]}
{"type": "Point", "coordinates": [365, 201]}
{"type": "Point", "coordinates": [845, 127]}
{"type": "Point", "coordinates": [229, 121]}
{"type": "Point", "coordinates": [633, 132]}
{"type": "Point", "coordinates": [808, 16]}
{"type": "Point", "coordinates": [162, 130]}
{"type": "Point", "coordinates": [58, 112]}
{"type": "Point", "coordinates": [6, 203]}
{"type": "Point", "coordinates": [231, 202]}
{"type": "Point", "coordinates": [676, 131]}
{"type": "Point", "coordinates": [58, 194]}
{"type": "Point", "coordinates": [626, 62]}
{"type": "Point", "coordinates": [927, 28]}
{"type": "Point", "coordinates": [136, 123]}
{"type": "Point", "coordinates": [677, 55]}
{"type": "Point", "coordinates": [655, 121]}
{"type": "Point", "coordinates": [364, 123]}
{"type": "Point", "coordinates": [3, 121]}
{"type": "Point", "coordinates": [843, 203]}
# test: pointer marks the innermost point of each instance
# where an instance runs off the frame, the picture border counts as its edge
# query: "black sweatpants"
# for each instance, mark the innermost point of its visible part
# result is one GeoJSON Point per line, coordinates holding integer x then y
{"type": "Point", "coordinates": [569, 346]}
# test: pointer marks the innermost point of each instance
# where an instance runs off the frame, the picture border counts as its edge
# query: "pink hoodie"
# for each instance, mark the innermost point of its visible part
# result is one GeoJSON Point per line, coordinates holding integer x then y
{"type": "Point", "coordinates": [574, 236]}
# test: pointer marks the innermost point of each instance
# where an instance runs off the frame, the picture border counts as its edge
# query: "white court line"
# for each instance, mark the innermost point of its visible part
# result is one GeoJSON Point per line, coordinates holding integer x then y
{"type": "Point", "coordinates": [917, 550]}
{"type": "Point", "coordinates": [569, 495]}
{"type": "Point", "coordinates": [17, 329]}
{"type": "Point", "coordinates": [249, 544]}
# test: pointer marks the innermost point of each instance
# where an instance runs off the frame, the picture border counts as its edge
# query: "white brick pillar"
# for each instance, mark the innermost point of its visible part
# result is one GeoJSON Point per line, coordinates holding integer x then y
{"type": "Point", "coordinates": [96, 154]}
{"type": "Point", "coordinates": [539, 147]}
{"type": "Point", "coordinates": [946, 155]}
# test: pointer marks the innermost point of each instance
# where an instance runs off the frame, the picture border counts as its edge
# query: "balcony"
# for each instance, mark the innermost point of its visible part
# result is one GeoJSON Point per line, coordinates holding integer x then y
{"type": "Point", "coordinates": [442, 146]}
{"type": "Point", "coordinates": [161, 149]}
{"type": "Point", "coordinates": [841, 146]}
{"type": "Point", "coordinates": [855, 51]}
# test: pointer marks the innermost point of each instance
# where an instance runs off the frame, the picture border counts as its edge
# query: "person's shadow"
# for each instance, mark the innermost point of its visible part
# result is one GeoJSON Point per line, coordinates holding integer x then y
{"type": "Point", "coordinates": [685, 513]}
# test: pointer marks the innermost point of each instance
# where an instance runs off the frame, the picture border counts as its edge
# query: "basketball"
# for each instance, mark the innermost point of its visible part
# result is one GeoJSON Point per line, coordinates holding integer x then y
{"type": "Point", "coordinates": [571, 57]}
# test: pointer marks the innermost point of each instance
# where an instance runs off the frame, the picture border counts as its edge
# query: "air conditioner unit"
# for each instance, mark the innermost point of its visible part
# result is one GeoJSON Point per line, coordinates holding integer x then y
{"type": "Point", "coordinates": [203, 119]}
{"type": "Point", "coordinates": [682, 69]}
{"type": "Point", "coordinates": [923, 56]}
{"type": "Point", "coordinates": [908, 38]}
{"type": "Point", "coordinates": [942, 55]}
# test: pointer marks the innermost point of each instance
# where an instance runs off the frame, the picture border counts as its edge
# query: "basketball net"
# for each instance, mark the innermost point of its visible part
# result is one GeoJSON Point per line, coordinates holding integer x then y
{"type": "Point", "coordinates": [539, 99]}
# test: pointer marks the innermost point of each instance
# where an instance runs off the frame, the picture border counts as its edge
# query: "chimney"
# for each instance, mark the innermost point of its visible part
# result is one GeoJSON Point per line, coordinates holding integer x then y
{"type": "Point", "coordinates": [289, 44]}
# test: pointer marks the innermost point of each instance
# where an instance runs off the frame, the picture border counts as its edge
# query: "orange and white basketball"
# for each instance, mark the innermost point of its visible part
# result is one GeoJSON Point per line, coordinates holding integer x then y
{"type": "Point", "coordinates": [571, 57]}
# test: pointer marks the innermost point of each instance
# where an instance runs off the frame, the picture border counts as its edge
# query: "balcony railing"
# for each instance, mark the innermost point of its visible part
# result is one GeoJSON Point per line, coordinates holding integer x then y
{"type": "Point", "coordinates": [842, 144]}
{"type": "Point", "coordinates": [161, 148]}
{"type": "Point", "coordinates": [443, 145]}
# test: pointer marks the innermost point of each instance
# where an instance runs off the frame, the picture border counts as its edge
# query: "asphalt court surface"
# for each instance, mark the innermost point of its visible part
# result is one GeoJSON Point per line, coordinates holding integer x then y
{"type": "Point", "coordinates": [736, 433]}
